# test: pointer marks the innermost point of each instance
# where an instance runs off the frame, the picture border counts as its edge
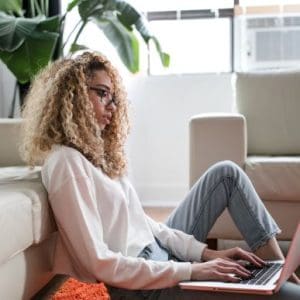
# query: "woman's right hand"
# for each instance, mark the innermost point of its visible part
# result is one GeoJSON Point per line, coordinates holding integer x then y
{"type": "Point", "coordinates": [219, 269]}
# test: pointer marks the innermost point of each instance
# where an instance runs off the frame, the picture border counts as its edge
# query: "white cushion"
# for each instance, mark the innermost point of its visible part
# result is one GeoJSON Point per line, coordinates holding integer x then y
{"type": "Point", "coordinates": [271, 104]}
{"type": "Point", "coordinates": [15, 223]}
{"type": "Point", "coordinates": [42, 218]}
{"type": "Point", "coordinates": [25, 215]}
{"type": "Point", "coordinates": [275, 178]}
{"type": "Point", "coordinates": [17, 173]}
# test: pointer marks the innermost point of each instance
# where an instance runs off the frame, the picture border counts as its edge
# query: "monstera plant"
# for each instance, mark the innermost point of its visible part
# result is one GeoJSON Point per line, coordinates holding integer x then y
{"type": "Point", "coordinates": [29, 38]}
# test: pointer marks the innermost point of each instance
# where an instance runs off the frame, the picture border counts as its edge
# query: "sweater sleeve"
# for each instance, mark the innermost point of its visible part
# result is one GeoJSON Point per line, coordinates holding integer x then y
{"type": "Point", "coordinates": [182, 245]}
{"type": "Point", "coordinates": [79, 223]}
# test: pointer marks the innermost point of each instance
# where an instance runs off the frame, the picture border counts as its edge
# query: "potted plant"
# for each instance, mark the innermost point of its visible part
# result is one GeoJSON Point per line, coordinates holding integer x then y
{"type": "Point", "coordinates": [28, 38]}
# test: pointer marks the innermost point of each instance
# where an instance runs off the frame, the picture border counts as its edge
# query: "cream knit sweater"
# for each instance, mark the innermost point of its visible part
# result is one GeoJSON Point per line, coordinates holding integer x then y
{"type": "Point", "coordinates": [102, 228]}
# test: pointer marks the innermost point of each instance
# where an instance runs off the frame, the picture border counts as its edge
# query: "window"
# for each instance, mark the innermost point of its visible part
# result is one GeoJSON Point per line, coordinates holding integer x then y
{"type": "Point", "coordinates": [197, 36]}
{"type": "Point", "coordinates": [204, 36]}
{"type": "Point", "coordinates": [192, 47]}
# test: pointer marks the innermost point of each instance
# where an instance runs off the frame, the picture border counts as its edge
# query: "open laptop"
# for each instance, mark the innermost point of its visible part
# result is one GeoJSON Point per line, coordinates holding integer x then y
{"type": "Point", "coordinates": [264, 281]}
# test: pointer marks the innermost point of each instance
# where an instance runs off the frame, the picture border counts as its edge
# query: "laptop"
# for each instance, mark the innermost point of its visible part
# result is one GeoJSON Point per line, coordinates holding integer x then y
{"type": "Point", "coordinates": [265, 281]}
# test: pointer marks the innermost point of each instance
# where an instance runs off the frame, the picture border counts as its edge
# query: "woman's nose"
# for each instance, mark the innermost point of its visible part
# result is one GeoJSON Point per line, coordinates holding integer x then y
{"type": "Point", "coordinates": [111, 106]}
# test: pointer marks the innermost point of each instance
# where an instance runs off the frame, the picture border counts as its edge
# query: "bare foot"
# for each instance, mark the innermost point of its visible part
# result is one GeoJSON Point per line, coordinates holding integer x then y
{"type": "Point", "coordinates": [294, 278]}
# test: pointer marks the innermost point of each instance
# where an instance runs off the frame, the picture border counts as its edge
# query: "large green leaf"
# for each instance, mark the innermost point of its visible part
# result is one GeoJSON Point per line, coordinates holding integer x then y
{"type": "Point", "coordinates": [11, 6]}
{"type": "Point", "coordinates": [87, 8]}
{"type": "Point", "coordinates": [30, 57]}
{"type": "Point", "coordinates": [129, 17]}
{"type": "Point", "coordinates": [127, 14]}
{"type": "Point", "coordinates": [164, 57]}
{"type": "Point", "coordinates": [51, 24]}
{"type": "Point", "coordinates": [73, 4]}
{"type": "Point", "coordinates": [123, 40]}
{"type": "Point", "coordinates": [14, 30]}
{"type": "Point", "coordinates": [34, 54]}
{"type": "Point", "coordinates": [77, 47]}
{"type": "Point", "coordinates": [117, 18]}
{"type": "Point", "coordinates": [141, 27]}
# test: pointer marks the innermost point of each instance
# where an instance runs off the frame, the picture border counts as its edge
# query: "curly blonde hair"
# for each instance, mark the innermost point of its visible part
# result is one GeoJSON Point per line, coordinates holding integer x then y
{"type": "Point", "coordinates": [57, 110]}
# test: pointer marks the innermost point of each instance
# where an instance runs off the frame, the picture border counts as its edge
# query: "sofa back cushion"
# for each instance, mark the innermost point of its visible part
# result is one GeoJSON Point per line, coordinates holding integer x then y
{"type": "Point", "coordinates": [270, 103]}
{"type": "Point", "coordinates": [9, 141]}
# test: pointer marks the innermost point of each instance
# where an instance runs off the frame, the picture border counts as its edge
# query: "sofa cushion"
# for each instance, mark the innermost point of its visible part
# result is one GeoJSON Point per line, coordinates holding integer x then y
{"type": "Point", "coordinates": [23, 200]}
{"type": "Point", "coordinates": [271, 104]}
{"type": "Point", "coordinates": [15, 223]}
{"type": "Point", "coordinates": [18, 173]}
{"type": "Point", "coordinates": [275, 178]}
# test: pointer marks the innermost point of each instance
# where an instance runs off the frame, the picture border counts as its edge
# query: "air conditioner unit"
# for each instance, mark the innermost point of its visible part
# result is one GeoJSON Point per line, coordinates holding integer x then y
{"type": "Point", "coordinates": [264, 42]}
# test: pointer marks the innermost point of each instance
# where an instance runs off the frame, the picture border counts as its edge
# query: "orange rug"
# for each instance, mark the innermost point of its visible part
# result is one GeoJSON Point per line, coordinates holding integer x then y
{"type": "Point", "coordinates": [73, 289]}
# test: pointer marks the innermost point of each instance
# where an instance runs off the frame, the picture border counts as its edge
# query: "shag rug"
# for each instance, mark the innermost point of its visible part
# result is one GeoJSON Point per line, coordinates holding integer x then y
{"type": "Point", "coordinates": [73, 289]}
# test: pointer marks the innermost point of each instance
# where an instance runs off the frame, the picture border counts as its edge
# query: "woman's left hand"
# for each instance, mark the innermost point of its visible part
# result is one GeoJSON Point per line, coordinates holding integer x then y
{"type": "Point", "coordinates": [233, 254]}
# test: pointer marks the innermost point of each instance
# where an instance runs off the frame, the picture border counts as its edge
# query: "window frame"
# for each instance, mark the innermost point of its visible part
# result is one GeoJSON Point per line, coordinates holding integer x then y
{"type": "Point", "coordinates": [196, 14]}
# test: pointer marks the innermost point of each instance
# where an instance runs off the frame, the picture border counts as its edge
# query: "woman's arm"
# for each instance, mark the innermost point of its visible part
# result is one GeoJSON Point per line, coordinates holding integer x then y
{"type": "Point", "coordinates": [75, 209]}
{"type": "Point", "coordinates": [182, 245]}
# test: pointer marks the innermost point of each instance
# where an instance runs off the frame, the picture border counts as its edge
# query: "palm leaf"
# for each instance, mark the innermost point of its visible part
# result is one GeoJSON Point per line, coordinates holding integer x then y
{"type": "Point", "coordinates": [117, 19]}
{"type": "Point", "coordinates": [11, 6]}
{"type": "Point", "coordinates": [14, 30]}
{"type": "Point", "coordinates": [28, 59]}
{"type": "Point", "coordinates": [30, 45]}
{"type": "Point", "coordinates": [124, 41]}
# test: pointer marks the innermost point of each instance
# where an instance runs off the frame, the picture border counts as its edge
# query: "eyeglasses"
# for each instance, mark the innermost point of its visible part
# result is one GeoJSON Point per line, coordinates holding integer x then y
{"type": "Point", "coordinates": [105, 96]}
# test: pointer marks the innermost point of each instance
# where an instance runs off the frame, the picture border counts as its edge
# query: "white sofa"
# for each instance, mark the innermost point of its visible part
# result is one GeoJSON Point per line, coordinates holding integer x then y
{"type": "Point", "coordinates": [262, 137]}
{"type": "Point", "coordinates": [27, 229]}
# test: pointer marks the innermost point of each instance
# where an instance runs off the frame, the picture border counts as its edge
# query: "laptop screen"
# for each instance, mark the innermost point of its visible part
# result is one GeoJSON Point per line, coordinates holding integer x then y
{"type": "Point", "coordinates": [292, 261]}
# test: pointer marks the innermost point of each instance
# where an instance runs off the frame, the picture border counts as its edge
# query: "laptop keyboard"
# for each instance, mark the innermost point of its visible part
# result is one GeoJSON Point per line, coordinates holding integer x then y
{"type": "Point", "coordinates": [263, 275]}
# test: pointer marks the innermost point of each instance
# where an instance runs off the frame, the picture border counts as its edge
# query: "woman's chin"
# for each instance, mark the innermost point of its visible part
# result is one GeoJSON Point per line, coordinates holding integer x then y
{"type": "Point", "coordinates": [102, 125]}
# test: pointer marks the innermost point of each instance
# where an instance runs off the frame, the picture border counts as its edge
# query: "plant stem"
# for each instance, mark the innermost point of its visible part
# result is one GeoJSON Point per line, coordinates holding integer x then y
{"type": "Point", "coordinates": [32, 10]}
{"type": "Point", "coordinates": [63, 18]}
{"type": "Point", "coordinates": [42, 5]}
{"type": "Point", "coordinates": [79, 32]}
{"type": "Point", "coordinates": [37, 6]}
{"type": "Point", "coordinates": [69, 36]}
{"type": "Point", "coordinates": [47, 8]}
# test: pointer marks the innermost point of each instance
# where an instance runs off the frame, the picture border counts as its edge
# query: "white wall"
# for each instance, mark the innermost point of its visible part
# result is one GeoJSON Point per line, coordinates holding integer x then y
{"type": "Point", "coordinates": [159, 143]}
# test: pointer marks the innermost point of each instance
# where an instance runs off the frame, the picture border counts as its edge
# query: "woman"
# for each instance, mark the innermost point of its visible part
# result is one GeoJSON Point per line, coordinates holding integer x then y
{"type": "Point", "coordinates": [76, 124]}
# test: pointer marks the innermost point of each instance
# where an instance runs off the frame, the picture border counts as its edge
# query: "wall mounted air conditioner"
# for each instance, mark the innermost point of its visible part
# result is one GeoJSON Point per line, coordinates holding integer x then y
{"type": "Point", "coordinates": [265, 42]}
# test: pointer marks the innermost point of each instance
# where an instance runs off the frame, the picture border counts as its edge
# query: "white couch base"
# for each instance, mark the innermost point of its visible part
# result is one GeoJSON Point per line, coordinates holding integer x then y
{"type": "Point", "coordinates": [27, 272]}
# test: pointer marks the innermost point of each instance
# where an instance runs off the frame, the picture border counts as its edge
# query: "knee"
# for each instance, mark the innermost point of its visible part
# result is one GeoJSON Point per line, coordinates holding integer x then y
{"type": "Point", "coordinates": [226, 168]}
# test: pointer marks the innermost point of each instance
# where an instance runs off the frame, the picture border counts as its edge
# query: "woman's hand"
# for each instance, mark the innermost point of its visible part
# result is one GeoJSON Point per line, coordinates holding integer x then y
{"type": "Point", "coordinates": [233, 254]}
{"type": "Point", "coordinates": [219, 269]}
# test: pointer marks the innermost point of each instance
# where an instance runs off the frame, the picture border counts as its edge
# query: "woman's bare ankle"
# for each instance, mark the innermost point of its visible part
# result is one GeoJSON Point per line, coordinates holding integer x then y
{"type": "Point", "coordinates": [270, 250]}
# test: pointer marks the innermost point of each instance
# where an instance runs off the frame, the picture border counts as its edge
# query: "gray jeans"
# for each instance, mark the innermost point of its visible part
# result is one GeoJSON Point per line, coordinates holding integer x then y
{"type": "Point", "coordinates": [224, 185]}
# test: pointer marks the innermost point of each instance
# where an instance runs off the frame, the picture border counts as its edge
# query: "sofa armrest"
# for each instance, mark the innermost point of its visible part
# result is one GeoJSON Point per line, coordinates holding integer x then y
{"type": "Point", "coordinates": [213, 138]}
{"type": "Point", "coordinates": [9, 142]}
